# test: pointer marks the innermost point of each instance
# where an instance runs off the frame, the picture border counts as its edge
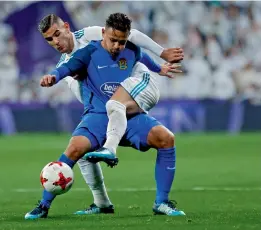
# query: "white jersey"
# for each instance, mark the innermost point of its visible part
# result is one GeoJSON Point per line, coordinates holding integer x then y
{"type": "Point", "coordinates": [148, 96]}
{"type": "Point", "coordinates": [82, 37]}
{"type": "Point", "coordinates": [142, 87]}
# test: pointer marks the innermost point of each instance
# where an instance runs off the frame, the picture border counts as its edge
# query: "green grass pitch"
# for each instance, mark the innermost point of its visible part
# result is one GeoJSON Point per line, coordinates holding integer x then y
{"type": "Point", "coordinates": [217, 184]}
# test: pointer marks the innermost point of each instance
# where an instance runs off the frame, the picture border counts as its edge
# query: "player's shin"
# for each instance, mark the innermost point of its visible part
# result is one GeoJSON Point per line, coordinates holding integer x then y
{"type": "Point", "coordinates": [49, 197]}
{"type": "Point", "coordinates": [164, 173]}
{"type": "Point", "coordinates": [93, 176]}
{"type": "Point", "coordinates": [117, 125]}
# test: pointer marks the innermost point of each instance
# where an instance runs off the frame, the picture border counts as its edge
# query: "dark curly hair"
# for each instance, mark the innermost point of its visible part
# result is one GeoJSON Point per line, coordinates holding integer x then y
{"type": "Point", "coordinates": [47, 22]}
{"type": "Point", "coordinates": [119, 21]}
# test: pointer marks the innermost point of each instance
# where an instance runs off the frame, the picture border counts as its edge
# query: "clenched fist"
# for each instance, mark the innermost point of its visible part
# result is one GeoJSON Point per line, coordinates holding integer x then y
{"type": "Point", "coordinates": [172, 55]}
{"type": "Point", "coordinates": [47, 80]}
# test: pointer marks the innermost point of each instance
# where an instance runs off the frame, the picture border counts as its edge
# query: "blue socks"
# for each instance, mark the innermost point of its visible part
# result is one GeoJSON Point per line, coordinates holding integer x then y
{"type": "Point", "coordinates": [164, 173]}
{"type": "Point", "coordinates": [68, 161]}
{"type": "Point", "coordinates": [49, 197]}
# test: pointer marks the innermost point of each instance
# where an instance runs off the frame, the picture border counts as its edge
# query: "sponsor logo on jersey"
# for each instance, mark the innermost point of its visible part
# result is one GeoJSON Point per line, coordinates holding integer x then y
{"type": "Point", "coordinates": [109, 88]}
{"type": "Point", "coordinates": [123, 64]}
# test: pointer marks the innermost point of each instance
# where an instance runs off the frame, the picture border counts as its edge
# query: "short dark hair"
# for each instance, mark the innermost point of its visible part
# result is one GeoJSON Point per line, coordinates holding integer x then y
{"type": "Point", "coordinates": [119, 21]}
{"type": "Point", "coordinates": [47, 22]}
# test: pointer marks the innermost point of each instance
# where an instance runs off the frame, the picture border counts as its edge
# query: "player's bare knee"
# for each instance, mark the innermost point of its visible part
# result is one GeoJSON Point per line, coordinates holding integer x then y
{"type": "Point", "coordinates": [74, 152]}
{"type": "Point", "coordinates": [166, 140]}
{"type": "Point", "coordinates": [77, 147]}
{"type": "Point", "coordinates": [160, 137]}
{"type": "Point", "coordinates": [170, 140]}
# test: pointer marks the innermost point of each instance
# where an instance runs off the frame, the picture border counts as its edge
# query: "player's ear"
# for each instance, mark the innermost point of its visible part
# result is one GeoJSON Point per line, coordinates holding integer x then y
{"type": "Point", "coordinates": [67, 26]}
{"type": "Point", "coordinates": [103, 32]}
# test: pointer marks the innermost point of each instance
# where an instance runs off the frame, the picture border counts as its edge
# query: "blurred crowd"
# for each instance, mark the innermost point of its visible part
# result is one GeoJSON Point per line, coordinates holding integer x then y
{"type": "Point", "coordinates": [221, 41]}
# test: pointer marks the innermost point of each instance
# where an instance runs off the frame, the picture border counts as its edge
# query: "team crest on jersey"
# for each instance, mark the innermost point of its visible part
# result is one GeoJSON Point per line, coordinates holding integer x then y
{"type": "Point", "coordinates": [123, 64]}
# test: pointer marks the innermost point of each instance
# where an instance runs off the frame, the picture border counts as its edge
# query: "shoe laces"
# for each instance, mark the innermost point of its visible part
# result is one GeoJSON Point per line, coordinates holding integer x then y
{"type": "Point", "coordinates": [172, 204]}
{"type": "Point", "coordinates": [38, 208]}
{"type": "Point", "coordinates": [91, 207]}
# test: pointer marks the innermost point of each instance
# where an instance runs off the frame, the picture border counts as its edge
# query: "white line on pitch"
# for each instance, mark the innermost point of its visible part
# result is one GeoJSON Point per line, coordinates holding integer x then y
{"type": "Point", "coordinates": [31, 190]}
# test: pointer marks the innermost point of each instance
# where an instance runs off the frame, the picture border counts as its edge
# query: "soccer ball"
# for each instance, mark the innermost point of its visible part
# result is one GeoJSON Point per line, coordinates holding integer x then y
{"type": "Point", "coordinates": [57, 177]}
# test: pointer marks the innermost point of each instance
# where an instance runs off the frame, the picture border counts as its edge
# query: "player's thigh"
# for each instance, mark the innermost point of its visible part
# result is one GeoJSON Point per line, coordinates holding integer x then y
{"type": "Point", "coordinates": [93, 127]}
{"type": "Point", "coordinates": [121, 95]}
{"type": "Point", "coordinates": [142, 88]}
{"type": "Point", "coordinates": [138, 128]}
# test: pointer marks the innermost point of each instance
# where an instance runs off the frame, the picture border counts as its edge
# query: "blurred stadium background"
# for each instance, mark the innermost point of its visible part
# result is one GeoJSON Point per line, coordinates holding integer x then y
{"type": "Point", "coordinates": [220, 89]}
{"type": "Point", "coordinates": [218, 178]}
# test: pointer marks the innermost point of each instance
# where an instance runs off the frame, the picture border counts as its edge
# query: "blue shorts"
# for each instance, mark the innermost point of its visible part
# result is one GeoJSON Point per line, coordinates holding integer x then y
{"type": "Point", "coordinates": [94, 127]}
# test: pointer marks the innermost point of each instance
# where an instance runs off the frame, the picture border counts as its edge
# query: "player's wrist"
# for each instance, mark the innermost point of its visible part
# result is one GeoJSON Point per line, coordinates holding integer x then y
{"type": "Point", "coordinates": [163, 54]}
{"type": "Point", "coordinates": [158, 68]}
{"type": "Point", "coordinates": [56, 74]}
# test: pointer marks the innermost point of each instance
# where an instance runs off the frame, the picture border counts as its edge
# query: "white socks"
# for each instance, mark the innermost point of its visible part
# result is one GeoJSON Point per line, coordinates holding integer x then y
{"type": "Point", "coordinates": [117, 124]}
{"type": "Point", "coordinates": [74, 86]}
{"type": "Point", "coordinates": [93, 176]}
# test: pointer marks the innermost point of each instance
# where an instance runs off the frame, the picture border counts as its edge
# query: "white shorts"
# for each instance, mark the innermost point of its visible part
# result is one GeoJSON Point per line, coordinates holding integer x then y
{"type": "Point", "coordinates": [142, 87]}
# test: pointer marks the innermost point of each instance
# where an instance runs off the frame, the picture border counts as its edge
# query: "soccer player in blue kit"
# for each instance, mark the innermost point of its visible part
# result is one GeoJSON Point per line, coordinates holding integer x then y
{"type": "Point", "coordinates": [143, 131]}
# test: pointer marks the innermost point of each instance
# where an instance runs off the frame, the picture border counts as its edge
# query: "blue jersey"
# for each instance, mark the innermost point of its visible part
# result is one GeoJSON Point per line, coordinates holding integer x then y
{"type": "Point", "coordinates": [104, 72]}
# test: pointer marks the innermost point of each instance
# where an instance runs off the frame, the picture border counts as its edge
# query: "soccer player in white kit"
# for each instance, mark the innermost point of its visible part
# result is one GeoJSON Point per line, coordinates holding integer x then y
{"type": "Point", "coordinates": [59, 36]}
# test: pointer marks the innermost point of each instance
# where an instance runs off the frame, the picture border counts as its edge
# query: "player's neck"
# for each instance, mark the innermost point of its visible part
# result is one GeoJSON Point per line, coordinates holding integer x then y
{"type": "Point", "coordinates": [103, 45]}
{"type": "Point", "coordinates": [71, 43]}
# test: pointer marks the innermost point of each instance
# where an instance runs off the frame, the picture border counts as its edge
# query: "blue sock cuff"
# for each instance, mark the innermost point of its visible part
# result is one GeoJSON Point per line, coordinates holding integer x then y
{"type": "Point", "coordinates": [167, 150]}
{"type": "Point", "coordinates": [68, 161]}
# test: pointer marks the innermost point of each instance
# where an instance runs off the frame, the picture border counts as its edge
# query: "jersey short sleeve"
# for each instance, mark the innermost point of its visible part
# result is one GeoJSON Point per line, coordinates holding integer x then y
{"type": "Point", "coordinates": [88, 34]}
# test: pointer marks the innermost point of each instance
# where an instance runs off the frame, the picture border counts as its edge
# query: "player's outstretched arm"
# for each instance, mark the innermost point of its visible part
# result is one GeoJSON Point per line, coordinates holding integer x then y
{"type": "Point", "coordinates": [92, 33]}
{"type": "Point", "coordinates": [164, 70]}
{"type": "Point", "coordinates": [171, 55]}
{"type": "Point", "coordinates": [55, 76]}
{"type": "Point", "coordinates": [149, 62]}
{"type": "Point", "coordinates": [79, 60]}
{"type": "Point", "coordinates": [59, 73]}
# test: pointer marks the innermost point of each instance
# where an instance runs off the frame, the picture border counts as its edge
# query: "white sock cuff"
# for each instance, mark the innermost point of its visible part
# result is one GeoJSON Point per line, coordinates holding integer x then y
{"type": "Point", "coordinates": [112, 105]}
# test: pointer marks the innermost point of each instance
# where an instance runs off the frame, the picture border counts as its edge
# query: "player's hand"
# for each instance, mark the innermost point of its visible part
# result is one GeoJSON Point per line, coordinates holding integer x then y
{"type": "Point", "coordinates": [172, 55]}
{"type": "Point", "coordinates": [47, 80]}
{"type": "Point", "coordinates": [168, 69]}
